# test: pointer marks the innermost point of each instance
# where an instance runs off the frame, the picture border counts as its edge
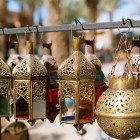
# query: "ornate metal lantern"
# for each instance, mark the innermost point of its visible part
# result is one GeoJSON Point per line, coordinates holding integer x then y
{"type": "Point", "coordinates": [76, 88]}
{"type": "Point", "coordinates": [100, 85]}
{"type": "Point", "coordinates": [29, 86]}
{"type": "Point", "coordinates": [12, 61]}
{"type": "Point", "coordinates": [117, 110]}
{"type": "Point", "coordinates": [5, 89]}
{"type": "Point", "coordinates": [52, 97]}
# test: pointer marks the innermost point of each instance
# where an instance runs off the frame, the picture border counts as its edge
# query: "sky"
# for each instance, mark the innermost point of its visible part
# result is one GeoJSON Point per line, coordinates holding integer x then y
{"type": "Point", "coordinates": [125, 9]}
{"type": "Point", "coordinates": [14, 6]}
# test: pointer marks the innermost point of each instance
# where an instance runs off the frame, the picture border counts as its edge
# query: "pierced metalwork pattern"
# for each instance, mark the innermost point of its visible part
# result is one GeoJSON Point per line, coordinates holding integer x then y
{"type": "Point", "coordinates": [21, 69]}
{"type": "Point", "coordinates": [4, 87]}
{"type": "Point", "coordinates": [68, 68]}
{"type": "Point", "coordinates": [119, 101]}
{"type": "Point", "coordinates": [76, 66]}
{"type": "Point", "coordinates": [68, 89]}
{"type": "Point", "coordinates": [120, 128]}
{"type": "Point", "coordinates": [39, 89]}
{"type": "Point", "coordinates": [118, 113]}
{"type": "Point", "coordinates": [86, 91]}
{"type": "Point", "coordinates": [4, 69]}
{"type": "Point", "coordinates": [38, 69]}
{"type": "Point", "coordinates": [86, 68]}
{"type": "Point", "coordinates": [22, 89]}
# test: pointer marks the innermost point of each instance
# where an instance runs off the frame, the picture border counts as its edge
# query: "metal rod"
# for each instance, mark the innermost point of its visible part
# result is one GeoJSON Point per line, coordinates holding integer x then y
{"type": "Point", "coordinates": [69, 27]}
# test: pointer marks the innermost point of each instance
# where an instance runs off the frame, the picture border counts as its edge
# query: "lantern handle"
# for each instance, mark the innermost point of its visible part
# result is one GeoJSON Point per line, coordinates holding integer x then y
{"type": "Point", "coordinates": [125, 24]}
{"type": "Point", "coordinates": [124, 42]}
{"type": "Point", "coordinates": [30, 29]}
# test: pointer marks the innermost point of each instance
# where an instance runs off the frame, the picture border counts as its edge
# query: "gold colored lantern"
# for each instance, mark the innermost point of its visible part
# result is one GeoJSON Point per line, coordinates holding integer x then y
{"type": "Point", "coordinates": [76, 88]}
{"type": "Point", "coordinates": [117, 110]}
{"type": "Point", "coordinates": [29, 87]}
{"type": "Point", "coordinates": [5, 88]}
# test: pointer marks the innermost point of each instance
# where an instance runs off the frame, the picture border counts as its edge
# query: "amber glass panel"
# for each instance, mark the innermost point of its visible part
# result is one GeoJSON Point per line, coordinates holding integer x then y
{"type": "Point", "coordinates": [22, 109]}
{"type": "Point", "coordinates": [85, 111]}
{"type": "Point", "coordinates": [4, 106]}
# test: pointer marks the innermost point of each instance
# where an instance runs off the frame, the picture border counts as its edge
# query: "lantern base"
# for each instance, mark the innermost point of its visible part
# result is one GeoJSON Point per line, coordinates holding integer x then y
{"type": "Point", "coordinates": [31, 122]}
{"type": "Point", "coordinates": [78, 126]}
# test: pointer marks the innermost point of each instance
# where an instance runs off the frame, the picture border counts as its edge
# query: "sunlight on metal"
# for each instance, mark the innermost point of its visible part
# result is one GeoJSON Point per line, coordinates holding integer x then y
{"type": "Point", "coordinates": [67, 27]}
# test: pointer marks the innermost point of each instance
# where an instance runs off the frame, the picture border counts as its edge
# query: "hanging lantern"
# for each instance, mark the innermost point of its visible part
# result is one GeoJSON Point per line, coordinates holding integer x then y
{"type": "Point", "coordinates": [76, 88]}
{"type": "Point", "coordinates": [117, 110]}
{"type": "Point", "coordinates": [29, 86]}
{"type": "Point", "coordinates": [52, 96]}
{"type": "Point", "coordinates": [136, 58]}
{"type": "Point", "coordinates": [100, 85]}
{"type": "Point", "coordinates": [12, 61]}
{"type": "Point", "coordinates": [5, 88]}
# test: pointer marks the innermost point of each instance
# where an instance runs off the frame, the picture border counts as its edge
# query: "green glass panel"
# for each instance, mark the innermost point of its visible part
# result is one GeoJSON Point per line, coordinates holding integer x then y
{"type": "Point", "coordinates": [4, 106]}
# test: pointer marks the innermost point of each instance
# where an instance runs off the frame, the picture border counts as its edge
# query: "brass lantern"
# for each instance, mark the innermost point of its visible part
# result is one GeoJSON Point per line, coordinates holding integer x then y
{"type": "Point", "coordinates": [117, 110]}
{"type": "Point", "coordinates": [52, 95]}
{"type": "Point", "coordinates": [29, 87]}
{"type": "Point", "coordinates": [5, 88]}
{"type": "Point", "coordinates": [100, 85]}
{"type": "Point", "coordinates": [76, 88]}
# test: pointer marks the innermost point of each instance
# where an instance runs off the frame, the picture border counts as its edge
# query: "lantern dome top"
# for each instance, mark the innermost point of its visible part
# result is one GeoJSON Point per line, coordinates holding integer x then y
{"type": "Point", "coordinates": [5, 71]}
{"type": "Point", "coordinates": [76, 66]}
{"type": "Point", "coordinates": [30, 67]}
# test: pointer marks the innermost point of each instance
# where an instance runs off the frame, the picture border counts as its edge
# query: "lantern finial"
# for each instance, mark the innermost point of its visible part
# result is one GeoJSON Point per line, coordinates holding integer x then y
{"type": "Point", "coordinates": [29, 47]}
{"type": "Point", "coordinates": [76, 43]}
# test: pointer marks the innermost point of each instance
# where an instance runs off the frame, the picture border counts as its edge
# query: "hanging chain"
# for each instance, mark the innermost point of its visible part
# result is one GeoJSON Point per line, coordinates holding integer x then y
{"type": "Point", "coordinates": [116, 56]}
{"type": "Point", "coordinates": [125, 45]}
{"type": "Point", "coordinates": [128, 55]}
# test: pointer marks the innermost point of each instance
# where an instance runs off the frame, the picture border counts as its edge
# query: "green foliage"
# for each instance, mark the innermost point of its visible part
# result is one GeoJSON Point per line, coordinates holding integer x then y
{"type": "Point", "coordinates": [73, 9]}
{"type": "Point", "coordinates": [107, 5]}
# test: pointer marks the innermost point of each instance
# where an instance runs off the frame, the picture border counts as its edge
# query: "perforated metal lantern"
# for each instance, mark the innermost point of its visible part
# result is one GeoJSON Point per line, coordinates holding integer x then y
{"type": "Point", "coordinates": [100, 85]}
{"type": "Point", "coordinates": [5, 89]}
{"type": "Point", "coordinates": [76, 88]}
{"type": "Point", "coordinates": [52, 97]}
{"type": "Point", "coordinates": [29, 87]}
{"type": "Point", "coordinates": [117, 110]}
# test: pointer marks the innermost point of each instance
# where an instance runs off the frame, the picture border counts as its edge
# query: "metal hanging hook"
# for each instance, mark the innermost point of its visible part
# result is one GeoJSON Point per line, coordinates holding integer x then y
{"type": "Point", "coordinates": [78, 21]}
{"type": "Point", "coordinates": [31, 30]}
{"type": "Point", "coordinates": [124, 23]}
{"type": "Point", "coordinates": [36, 26]}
